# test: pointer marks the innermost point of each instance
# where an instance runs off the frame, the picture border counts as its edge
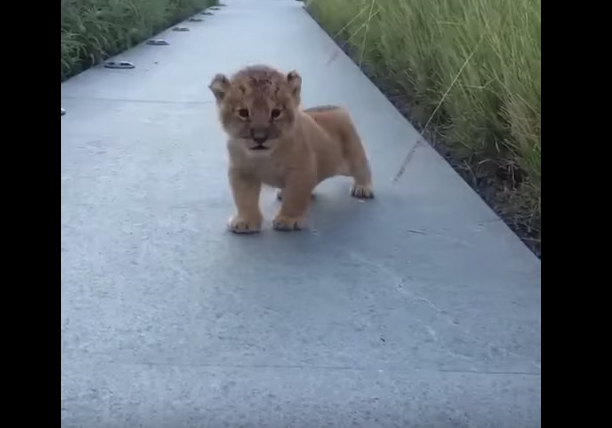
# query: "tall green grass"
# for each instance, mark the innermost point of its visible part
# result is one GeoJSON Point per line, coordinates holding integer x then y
{"type": "Point", "coordinates": [493, 108]}
{"type": "Point", "coordinates": [93, 30]}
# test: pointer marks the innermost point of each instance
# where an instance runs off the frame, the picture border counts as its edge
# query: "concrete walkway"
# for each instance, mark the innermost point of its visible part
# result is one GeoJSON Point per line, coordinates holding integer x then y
{"type": "Point", "coordinates": [417, 309]}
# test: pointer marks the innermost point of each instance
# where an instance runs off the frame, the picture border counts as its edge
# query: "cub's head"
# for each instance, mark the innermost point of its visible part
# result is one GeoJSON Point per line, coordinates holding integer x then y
{"type": "Point", "coordinates": [257, 105]}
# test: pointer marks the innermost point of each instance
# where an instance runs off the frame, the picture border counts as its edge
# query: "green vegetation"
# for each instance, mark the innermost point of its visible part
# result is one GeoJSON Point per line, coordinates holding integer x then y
{"type": "Point", "coordinates": [93, 30]}
{"type": "Point", "coordinates": [490, 120]}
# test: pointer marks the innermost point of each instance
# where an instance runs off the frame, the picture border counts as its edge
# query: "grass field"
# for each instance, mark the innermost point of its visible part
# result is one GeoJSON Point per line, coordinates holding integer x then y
{"type": "Point", "coordinates": [474, 68]}
{"type": "Point", "coordinates": [93, 30]}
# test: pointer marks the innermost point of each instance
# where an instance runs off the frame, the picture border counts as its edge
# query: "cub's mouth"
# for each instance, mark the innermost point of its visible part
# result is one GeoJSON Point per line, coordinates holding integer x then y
{"type": "Point", "coordinates": [259, 147]}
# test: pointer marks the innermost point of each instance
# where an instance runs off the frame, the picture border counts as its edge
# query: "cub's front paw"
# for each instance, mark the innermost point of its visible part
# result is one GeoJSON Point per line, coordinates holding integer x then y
{"type": "Point", "coordinates": [362, 192]}
{"type": "Point", "coordinates": [238, 224]}
{"type": "Point", "coordinates": [285, 224]}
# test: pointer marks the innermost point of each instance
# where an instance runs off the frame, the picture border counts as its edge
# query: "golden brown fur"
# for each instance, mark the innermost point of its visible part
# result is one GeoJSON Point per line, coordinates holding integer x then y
{"type": "Point", "coordinates": [273, 141]}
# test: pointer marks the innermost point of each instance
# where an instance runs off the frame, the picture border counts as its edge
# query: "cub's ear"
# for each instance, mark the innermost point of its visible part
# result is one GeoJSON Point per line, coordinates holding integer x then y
{"type": "Point", "coordinates": [219, 86]}
{"type": "Point", "coordinates": [295, 83]}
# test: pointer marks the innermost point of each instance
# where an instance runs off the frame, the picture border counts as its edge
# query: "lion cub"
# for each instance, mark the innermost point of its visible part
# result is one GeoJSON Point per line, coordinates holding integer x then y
{"type": "Point", "coordinates": [273, 141]}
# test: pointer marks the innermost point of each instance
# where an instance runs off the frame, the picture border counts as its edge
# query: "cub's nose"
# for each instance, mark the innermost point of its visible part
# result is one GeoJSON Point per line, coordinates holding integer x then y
{"type": "Point", "coordinates": [260, 136]}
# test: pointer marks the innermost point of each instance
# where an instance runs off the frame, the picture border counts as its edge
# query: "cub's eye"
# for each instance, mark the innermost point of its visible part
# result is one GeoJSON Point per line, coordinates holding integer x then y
{"type": "Point", "coordinates": [243, 113]}
{"type": "Point", "coordinates": [275, 114]}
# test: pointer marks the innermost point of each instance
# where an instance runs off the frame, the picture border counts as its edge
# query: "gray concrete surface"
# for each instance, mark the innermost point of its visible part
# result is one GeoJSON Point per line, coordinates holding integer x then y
{"type": "Point", "coordinates": [418, 309]}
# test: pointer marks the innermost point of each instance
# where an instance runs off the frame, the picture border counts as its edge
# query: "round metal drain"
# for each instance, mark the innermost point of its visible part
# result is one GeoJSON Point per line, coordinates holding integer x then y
{"type": "Point", "coordinates": [119, 65]}
{"type": "Point", "coordinates": [157, 42]}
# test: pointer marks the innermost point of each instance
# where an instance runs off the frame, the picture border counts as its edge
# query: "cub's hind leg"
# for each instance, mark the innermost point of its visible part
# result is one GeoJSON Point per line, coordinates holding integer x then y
{"type": "Point", "coordinates": [359, 166]}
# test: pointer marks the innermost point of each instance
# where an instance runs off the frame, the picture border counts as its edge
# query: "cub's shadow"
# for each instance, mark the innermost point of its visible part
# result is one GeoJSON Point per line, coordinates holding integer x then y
{"type": "Point", "coordinates": [333, 211]}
